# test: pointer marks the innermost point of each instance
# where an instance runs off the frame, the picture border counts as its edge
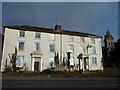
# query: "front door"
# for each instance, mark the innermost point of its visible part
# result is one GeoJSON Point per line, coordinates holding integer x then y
{"type": "Point", "coordinates": [86, 63]}
{"type": "Point", "coordinates": [36, 65]}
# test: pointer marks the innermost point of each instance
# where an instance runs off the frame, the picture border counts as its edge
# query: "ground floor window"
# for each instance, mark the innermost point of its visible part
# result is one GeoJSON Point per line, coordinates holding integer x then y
{"type": "Point", "coordinates": [94, 61]}
{"type": "Point", "coordinates": [51, 62]}
{"type": "Point", "coordinates": [19, 61]}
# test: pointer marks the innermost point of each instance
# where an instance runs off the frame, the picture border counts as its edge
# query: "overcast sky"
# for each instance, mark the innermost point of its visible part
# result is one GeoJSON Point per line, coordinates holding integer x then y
{"type": "Point", "coordinates": [87, 17]}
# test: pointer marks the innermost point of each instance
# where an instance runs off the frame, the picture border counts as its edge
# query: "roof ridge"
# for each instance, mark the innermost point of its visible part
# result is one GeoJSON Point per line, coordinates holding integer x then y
{"type": "Point", "coordinates": [51, 30]}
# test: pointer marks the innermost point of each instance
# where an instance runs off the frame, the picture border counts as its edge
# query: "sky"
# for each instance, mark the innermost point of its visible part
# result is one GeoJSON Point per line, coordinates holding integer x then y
{"type": "Point", "coordinates": [89, 17]}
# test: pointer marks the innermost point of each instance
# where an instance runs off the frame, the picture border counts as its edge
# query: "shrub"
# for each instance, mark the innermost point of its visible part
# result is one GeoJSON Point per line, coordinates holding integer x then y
{"type": "Point", "coordinates": [8, 69]}
{"type": "Point", "coordinates": [47, 71]}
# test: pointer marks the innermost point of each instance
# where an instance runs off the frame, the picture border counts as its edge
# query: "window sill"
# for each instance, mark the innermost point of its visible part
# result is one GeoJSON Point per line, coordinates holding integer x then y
{"type": "Point", "coordinates": [94, 64]}
{"type": "Point", "coordinates": [52, 51]}
{"type": "Point", "coordinates": [37, 38]}
{"type": "Point", "coordinates": [20, 50]}
{"type": "Point", "coordinates": [21, 37]}
{"type": "Point", "coordinates": [51, 40]}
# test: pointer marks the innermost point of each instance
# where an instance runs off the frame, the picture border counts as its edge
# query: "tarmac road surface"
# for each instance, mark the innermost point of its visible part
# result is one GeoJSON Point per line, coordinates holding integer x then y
{"type": "Point", "coordinates": [63, 83]}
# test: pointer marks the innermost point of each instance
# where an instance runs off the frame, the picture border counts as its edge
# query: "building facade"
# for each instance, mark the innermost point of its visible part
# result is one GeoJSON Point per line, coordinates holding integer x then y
{"type": "Point", "coordinates": [36, 47]}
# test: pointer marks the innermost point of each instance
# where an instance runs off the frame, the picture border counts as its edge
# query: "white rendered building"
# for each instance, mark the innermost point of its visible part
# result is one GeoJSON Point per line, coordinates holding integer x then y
{"type": "Point", "coordinates": [36, 47]}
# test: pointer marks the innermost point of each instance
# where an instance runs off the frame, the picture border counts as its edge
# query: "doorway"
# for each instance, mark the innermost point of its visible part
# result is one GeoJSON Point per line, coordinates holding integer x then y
{"type": "Point", "coordinates": [37, 64]}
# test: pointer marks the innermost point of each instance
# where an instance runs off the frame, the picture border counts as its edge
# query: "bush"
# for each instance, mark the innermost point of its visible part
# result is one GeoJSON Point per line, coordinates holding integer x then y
{"type": "Point", "coordinates": [8, 69]}
{"type": "Point", "coordinates": [47, 71]}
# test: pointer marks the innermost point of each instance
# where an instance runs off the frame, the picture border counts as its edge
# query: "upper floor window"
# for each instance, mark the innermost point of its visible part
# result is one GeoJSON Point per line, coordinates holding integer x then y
{"type": "Point", "coordinates": [22, 33]}
{"type": "Point", "coordinates": [37, 46]}
{"type": "Point", "coordinates": [82, 39]}
{"type": "Point", "coordinates": [52, 47]}
{"type": "Point", "coordinates": [37, 35]}
{"type": "Point", "coordinates": [21, 45]}
{"type": "Point", "coordinates": [52, 36]}
{"type": "Point", "coordinates": [71, 48]}
{"type": "Point", "coordinates": [82, 49]}
{"type": "Point", "coordinates": [92, 40]}
{"type": "Point", "coordinates": [70, 38]}
{"type": "Point", "coordinates": [94, 61]}
{"type": "Point", "coordinates": [93, 50]}
{"type": "Point", "coordinates": [19, 61]}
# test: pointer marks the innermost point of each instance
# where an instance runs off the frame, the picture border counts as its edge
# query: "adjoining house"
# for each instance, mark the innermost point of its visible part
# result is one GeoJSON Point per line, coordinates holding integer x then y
{"type": "Point", "coordinates": [37, 46]}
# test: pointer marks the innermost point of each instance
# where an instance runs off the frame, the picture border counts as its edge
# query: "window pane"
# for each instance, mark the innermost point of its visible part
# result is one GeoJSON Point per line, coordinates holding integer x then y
{"type": "Point", "coordinates": [37, 34]}
{"type": "Point", "coordinates": [82, 49]}
{"type": "Point", "coordinates": [71, 61]}
{"type": "Point", "coordinates": [19, 61]}
{"type": "Point", "coordinates": [21, 45]}
{"type": "Point", "coordinates": [51, 62]}
{"type": "Point", "coordinates": [82, 39]}
{"type": "Point", "coordinates": [52, 36]}
{"type": "Point", "coordinates": [52, 47]}
{"type": "Point", "coordinates": [70, 38]}
{"type": "Point", "coordinates": [71, 48]}
{"type": "Point", "coordinates": [22, 33]}
{"type": "Point", "coordinates": [94, 60]}
{"type": "Point", "coordinates": [93, 50]}
{"type": "Point", "coordinates": [37, 46]}
{"type": "Point", "coordinates": [92, 40]}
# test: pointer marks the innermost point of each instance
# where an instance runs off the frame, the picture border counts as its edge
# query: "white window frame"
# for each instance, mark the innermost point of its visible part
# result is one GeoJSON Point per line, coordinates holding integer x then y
{"type": "Point", "coordinates": [37, 43]}
{"type": "Point", "coordinates": [37, 35]}
{"type": "Point", "coordinates": [50, 47]}
{"type": "Point", "coordinates": [51, 36]}
{"type": "Point", "coordinates": [82, 49]}
{"type": "Point", "coordinates": [94, 61]}
{"type": "Point", "coordinates": [82, 39]}
{"type": "Point", "coordinates": [72, 61]}
{"type": "Point", "coordinates": [20, 63]}
{"type": "Point", "coordinates": [71, 48]}
{"type": "Point", "coordinates": [93, 50]}
{"type": "Point", "coordinates": [19, 45]}
{"type": "Point", "coordinates": [51, 60]}
{"type": "Point", "coordinates": [92, 40]}
{"type": "Point", "coordinates": [21, 31]}
{"type": "Point", "coordinates": [71, 39]}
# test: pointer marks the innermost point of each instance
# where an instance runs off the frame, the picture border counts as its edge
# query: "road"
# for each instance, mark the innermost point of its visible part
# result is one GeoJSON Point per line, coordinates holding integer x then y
{"type": "Point", "coordinates": [63, 83]}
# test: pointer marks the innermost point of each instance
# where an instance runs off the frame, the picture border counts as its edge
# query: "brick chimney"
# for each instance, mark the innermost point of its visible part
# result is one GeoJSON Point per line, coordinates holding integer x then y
{"type": "Point", "coordinates": [58, 27]}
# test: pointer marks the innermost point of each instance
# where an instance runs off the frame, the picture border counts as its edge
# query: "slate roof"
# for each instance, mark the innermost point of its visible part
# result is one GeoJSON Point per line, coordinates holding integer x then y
{"type": "Point", "coordinates": [50, 30]}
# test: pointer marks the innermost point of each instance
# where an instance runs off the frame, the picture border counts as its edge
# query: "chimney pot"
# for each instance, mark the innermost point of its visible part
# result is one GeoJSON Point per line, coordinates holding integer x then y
{"type": "Point", "coordinates": [58, 27]}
